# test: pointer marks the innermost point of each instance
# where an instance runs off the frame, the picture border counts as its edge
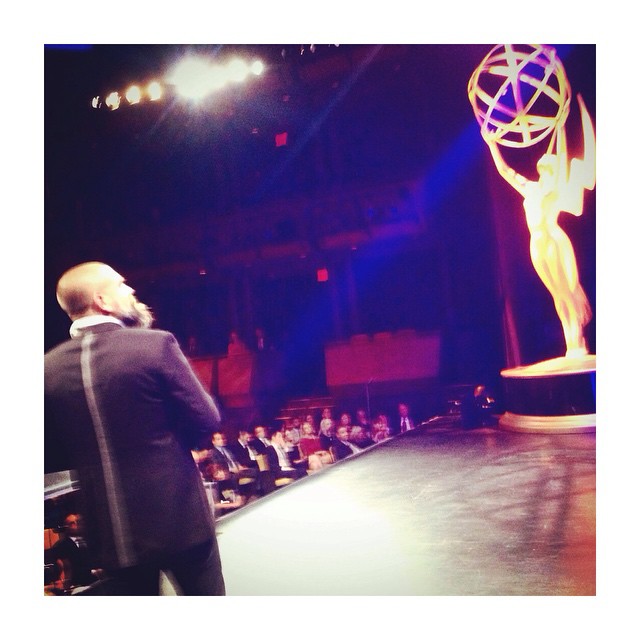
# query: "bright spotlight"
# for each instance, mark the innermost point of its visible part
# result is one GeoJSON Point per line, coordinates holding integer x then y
{"type": "Point", "coordinates": [257, 67]}
{"type": "Point", "coordinates": [95, 103]}
{"type": "Point", "coordinates": [192, 78]}
{"type": "Point", "coordinates": [218, 77]}
{"type": "Point", "coordinates": [112, 100]}
{"type": "Point", "coordinates": [133, 95]}
{"type": "Point", "coordinates": [154, 91]}
{"type": "Point", "coordinates": [238, 70]}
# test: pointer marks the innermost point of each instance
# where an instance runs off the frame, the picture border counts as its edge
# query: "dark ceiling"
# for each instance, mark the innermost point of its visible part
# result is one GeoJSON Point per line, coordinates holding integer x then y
{"type": "Point", "coordinates": [356, 117]}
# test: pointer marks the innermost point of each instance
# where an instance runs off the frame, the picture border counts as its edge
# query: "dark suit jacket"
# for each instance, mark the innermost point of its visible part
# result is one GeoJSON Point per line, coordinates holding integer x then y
{"type": "Point", "coordinates": [217, 457]}
{"type": "Point", "coordinates": [75, 558]}
{"type": "Point", "coordinates": [341, 450]}
{"type": "Point", "coordinates": [124, 408]}
{"type": "Point", "coordinates": [274, 461]}
{"type": "Point", "coordinates": [241, 454]}
{"type": "Point", "coordinates": [259, 447]}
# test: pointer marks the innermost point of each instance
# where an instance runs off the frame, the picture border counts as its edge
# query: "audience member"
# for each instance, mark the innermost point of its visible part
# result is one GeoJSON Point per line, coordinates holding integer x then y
{"type": "Point", "coordinates": [226, 495]}
{"type": "Point", "coordinates": [280, 462]}
{"type": "Point", "coordinates": [292, 431]}
{"type": "Point", "coordinates": [236, 346]}
{"type": "Point", "coordinates": [345, 420]}
{"type": "Point", "coordinates": [74, 566]}
{"type": "Point", "coordinates": [261, 440]}
{"type": "Point", "coordinates": [311, 449]}
{"type": "Point", "coordinates": [261, 341]}
{"type": "Point", "coordinates": [380, 429]}
{"type": "Point", "coordinates": [359, 437]}
{"type": "Point", "coordinates": [243, 449]}
{"type": "Point", "coordinates": [327, 427]}
{"type": "Point", "coordinates": [245, 479]}
{"type": "Point", "coordinates": [362, 420]}
{"type": "Point", "coordinates": [341, 446]}
{"type": "Point", "coordinates": [405, 421]}
{"type": "Point", "coordinates": [477, 408]}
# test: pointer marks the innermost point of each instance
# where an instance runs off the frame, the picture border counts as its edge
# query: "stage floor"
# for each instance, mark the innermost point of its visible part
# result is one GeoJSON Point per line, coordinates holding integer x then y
{"type": "Point", "coordinates": [436, 511]}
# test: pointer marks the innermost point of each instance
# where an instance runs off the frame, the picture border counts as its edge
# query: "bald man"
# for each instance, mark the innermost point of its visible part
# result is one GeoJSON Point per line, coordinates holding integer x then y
{"type": "Point", "coordinates": [124, 409]}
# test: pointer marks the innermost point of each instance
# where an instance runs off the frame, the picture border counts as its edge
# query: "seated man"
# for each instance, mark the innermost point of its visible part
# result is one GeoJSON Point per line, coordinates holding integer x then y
{"type": "Point", "coordinates": [341, 447]}
{"type": "Point", "coordinates": [243, 450]}
{"type": "Point", "coordinates": [243, 479]}
{"type": "Point", "coordinates": [71, 556]}
{"type": "Point", "coordinates": [359, 437]}
{"type": "Point", "coordinates": [261, 440]}
{"type": "Point", "coordinates": [279, 460]}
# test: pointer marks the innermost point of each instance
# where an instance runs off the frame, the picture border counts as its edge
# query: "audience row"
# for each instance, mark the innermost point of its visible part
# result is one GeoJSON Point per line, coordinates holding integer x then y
{"type": "Point", "coordinates": [254, 462]}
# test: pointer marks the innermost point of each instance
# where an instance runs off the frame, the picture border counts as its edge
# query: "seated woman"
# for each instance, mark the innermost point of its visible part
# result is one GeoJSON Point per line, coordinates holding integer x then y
{"type": "Point", "coordinates": [380, 429]}
{"type": "Point", "coordinates": [227, 497]}
{"type": "Point", "coordinates": [327, 427]}
{"type": "Point", "coordinates": [311, 449]}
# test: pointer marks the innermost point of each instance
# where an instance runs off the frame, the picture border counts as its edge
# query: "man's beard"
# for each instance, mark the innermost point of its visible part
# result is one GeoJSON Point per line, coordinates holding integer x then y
{"type": "Point", "coordinates": [139, 316]}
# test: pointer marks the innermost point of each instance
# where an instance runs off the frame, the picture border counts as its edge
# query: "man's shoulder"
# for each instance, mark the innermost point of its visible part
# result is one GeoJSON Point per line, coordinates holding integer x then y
{"type": "Point", "coordinates": [133, 338]}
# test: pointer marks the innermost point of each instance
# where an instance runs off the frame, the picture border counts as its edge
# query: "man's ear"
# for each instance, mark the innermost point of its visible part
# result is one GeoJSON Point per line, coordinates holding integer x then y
{"type": "Point", "coordinates": [102, 302]}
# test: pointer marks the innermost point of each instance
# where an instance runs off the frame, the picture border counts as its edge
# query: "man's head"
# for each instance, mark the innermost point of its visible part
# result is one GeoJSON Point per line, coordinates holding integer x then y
{"type": "Point", "coordinates": [260, 432]}
{"type": "Point", "coordinates": [94, 288]}
{"type": "Point", "coordinates": [219, 439]}
{"type": "Point", "coordinates": [403, 410]}
{"type": "Point", "coordinates": [342, 433]}
{"type": "Point", "coordinates": [73, 524]}
{"type": "Point", "coordinates": [244, 436]}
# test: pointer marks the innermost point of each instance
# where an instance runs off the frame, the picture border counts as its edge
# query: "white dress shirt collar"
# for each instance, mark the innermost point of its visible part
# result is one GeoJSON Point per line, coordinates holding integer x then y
{"type": "Point", "coordinates": [90, 321]}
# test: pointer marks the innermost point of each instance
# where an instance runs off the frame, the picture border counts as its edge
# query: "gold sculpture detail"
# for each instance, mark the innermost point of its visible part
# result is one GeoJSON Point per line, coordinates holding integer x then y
{"type": "Point", "coordinates": [520, 95]}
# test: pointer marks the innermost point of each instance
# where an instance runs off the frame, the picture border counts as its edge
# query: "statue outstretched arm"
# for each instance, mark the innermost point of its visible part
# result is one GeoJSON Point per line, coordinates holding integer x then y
{"type": "Point", "coordinates": [517, 181]}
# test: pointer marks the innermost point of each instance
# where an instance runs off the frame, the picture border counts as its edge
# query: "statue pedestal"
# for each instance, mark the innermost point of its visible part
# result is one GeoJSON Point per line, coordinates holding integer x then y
{"type": "Point", "coordinates": [553, 396]}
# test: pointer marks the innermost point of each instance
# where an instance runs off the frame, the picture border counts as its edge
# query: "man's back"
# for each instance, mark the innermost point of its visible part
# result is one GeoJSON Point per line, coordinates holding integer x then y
{"type": "Point", "coordinates": [123, 407]}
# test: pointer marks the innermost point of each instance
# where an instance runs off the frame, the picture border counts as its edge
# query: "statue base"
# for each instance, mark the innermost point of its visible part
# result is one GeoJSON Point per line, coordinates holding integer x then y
{"type": "Point", "coordinates": [553, 396]}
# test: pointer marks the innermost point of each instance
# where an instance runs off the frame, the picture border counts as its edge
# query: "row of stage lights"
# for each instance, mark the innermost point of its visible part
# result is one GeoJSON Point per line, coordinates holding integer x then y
{"type": "Point", "coordinates": [192, 79]}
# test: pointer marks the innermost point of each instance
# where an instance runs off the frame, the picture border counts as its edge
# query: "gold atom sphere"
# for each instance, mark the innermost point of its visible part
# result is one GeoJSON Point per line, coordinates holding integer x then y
{"type": "Point", "coordinates": [519, 94]}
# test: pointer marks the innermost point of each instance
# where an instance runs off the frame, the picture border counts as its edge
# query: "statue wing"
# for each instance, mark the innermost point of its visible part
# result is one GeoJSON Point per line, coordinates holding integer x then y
{"type": "Point", "coordinates": [582, 171]}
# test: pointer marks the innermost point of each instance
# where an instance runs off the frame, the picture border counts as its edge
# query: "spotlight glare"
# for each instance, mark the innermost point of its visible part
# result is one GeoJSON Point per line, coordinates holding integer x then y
{"type": "Point", "coordinates": [218, 77]}
{"type": "Point", "coordinates": [154, 91]}
{"type": "Point", "coordinates": [95, 103]}
{"type": "Point", "coordinates": [112, 100]}
{"type": "Point", "coordinates": [257, 67]}
{"type": "Point", "coordinates": [191, 78]}
{"type": "Point", "coordinates": [238, 70]}
{"type": "Point", "coordinates": [133, 95]}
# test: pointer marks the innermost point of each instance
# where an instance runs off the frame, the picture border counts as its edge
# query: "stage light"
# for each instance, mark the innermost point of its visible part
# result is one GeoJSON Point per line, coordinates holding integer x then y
{"type": "Point", "coordinates": [154, 91]}
{"type": "Point", "coordinates": [133, 95]}
{"type": "Point", "coordinates": [257, 68]}
{"type": "Point", "coordinates": [112, 100]}
{"type": "Point", "coordinates": [191, 78]}
{"type": "Point", "coordinates": [238, 70]}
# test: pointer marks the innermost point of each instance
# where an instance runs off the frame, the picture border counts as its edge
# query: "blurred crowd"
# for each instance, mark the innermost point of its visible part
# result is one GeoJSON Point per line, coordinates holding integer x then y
{"type": "Point", "coordinates": [256, 461]}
